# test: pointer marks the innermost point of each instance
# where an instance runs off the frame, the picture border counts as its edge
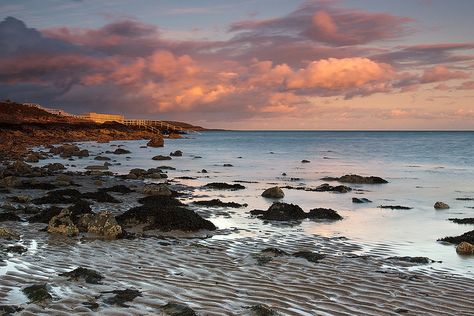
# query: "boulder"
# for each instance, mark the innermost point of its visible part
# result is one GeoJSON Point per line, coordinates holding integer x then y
{"type": "Point", "coordinates": [97, 167]}
{"type": "Point", "coordinates": [273, 193]}
{"type": "Point", "coordinates": [440, 205]}
{"type": "Point", "coordinates": [157, 189]}
{"type": "Point", "coordinates": [177, 153]}
{"type": "Point", "coordinates": [175, 136]}
{"type": "Point", "coordinates": [37, 293]}
{"type": "Point", "coordinates": [324, 213]}
{"type": "Point", "coordinates": [9, 217]}
{"type": "Point", "coordinates": [465, 248]}
{"type": "Point", "coordinates": [284, 212]}
{"type": "Point", "coordinates": [62, 224]}
{"type": "Point", "coordinates": [102, 224]}
{"type": "Point", "coordinates": [156, 141]}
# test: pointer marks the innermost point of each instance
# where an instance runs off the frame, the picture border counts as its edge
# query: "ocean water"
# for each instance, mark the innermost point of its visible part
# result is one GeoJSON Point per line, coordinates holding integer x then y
{"type": "Point", "coordinates": [421, 167]}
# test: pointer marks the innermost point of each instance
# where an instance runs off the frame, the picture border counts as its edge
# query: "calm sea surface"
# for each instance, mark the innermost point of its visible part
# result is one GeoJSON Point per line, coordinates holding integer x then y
{"type": "Point", "coordinates": [421, 167]}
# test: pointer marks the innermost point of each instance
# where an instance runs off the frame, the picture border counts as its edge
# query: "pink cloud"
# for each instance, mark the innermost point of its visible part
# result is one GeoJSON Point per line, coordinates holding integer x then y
{"type": "Point", "coordinates": [467, 85]}
{"type": "Point", "coordinates": [442, 73]}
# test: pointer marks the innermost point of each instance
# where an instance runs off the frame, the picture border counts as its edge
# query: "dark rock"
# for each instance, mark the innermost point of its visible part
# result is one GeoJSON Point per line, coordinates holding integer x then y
{"type": "Point", "coordinates": [17, 249]}
{"type": "Point", "coordinates": [360, 200]}
{"type": "Point", "coordinates": [203, 171]}
{"type": "Point", "coordinates": [440, 205]}
{"type": "Point", "coordinates": [465, 199]}
{"type": "Point", "coordinates": [284, 212]}
{"type": "Point", "coordinates": [37, 293]}
{"type": "Point", "coordinates": [177, 153]}
{"type": "Point", "coordinates": [97, 167]}
{"type": "Point", "coordinates": [157, 189]}
{"type": "Point", "coordinates": [218, 203]}
{"type": "Point", "coordinates": [176, 309]}
{"type": "Point", "coordinates": [156, 141]}
{"type": "Point", "coordinates": [395, 207]}
{"type": "Point", "coordinates": [309, 255]}
{"type": "Point", "coordinates": [7, 310]}
{"type": "Point", "coordinates": [53, 167]}
{"type": "Point", "coordinates": [305, 161]}
{"type": "Point", "coordinates": [102, 158]}
{"type": "Point", "coordinates": [64, 196]}
{"type": "Point", "coordinates": [9, 216]}
{"type": "Point", "coordinates": [325, 187]}
{"type": "Point", "coordinates": [67, 151]}
{"type": "Point", "coordinates": [88, 275]}
{"type": "Point", "coordinates": [118, 189]}
{"type": "Point", "coordinates": [262, 259]}
{"type": "Point", "coordinates": [227, 165]}
{"type": "Point", "coordinates": [262, 310]}
{"type": "Point", "coordinates": [324, 213]}
{"type": "Point", "coordinates": [467, 237]}
{"type": "Point", "coordinates": [160, 201]}
{"type": "Point", "coordinates": [35, 185]}
{"type": "Point", "coordinates": [138, 172]}
{"type": "Point", "coordinates": [417, 260]}
{"type": "Point", "coordinates": [8, 234]}
{"type": "Point", "coordinates": [121, 151]}
{"type": "Point", "coordinates": [100, 196]}
{"type": "Point", "coordinates": [45, 215]}
{"type": "Point", "coordinates": [354, 178]}
{"type": "Point", "coordinates": [161, 157]}
{"type": "Point", "coordinates": [469, 220]}
{"type": "Point", "coordinates": [122, 296]}
{"type": "Point", "coordinates": [257, 212]}
{"type": "Point", "coordinates": [273, 252]}
{"type": "Point", "coordinates": [273, 193]}
{"type": "Point", "coordinates": [224, 186]}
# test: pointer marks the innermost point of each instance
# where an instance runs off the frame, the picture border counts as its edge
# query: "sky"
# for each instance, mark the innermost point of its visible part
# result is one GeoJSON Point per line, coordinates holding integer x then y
{"type": "Point", "coordinates": [248, 64]}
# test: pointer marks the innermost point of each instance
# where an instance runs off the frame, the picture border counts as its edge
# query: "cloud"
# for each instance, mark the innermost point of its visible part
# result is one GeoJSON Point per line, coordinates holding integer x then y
{"type": "Point", "coordinates": [442, 73]}
{"type": "Point", "coordinates": [467, 85]}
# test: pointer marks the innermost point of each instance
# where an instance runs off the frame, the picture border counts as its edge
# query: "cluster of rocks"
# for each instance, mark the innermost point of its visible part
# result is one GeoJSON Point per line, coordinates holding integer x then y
{"type": "Point", "coordinates": [152, 173]}
{"type": "Point", "coordinates": [290, 212]}
{"type": "Point", "coordinates": [68, 151]}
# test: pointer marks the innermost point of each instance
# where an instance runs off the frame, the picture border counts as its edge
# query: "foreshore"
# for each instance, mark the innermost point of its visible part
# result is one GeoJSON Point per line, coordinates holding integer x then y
{"type": "Point", "coordinates": [152, 241]}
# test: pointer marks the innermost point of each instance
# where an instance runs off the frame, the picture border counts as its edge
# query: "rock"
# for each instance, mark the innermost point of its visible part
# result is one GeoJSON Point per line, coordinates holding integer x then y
{"type": "Point", "coordinates": [10, 182]}
{"type": "Point", "coordinates": [131, 176]}
{"type": "Point", "coordinates": [53, 167]}
{"type": "Point", "coordinates": [395, 207]}
{"type": "Point", "coordinates": [262, 310]}
{"type": "Point", "coordinates": [177, 153]}
{"type": "Point", "coordinates": [361, 200]}
{"type": "Point", "coordinates": [227, 165]}
{"type": "Point", "coordinates": [9, 217]}
{"type": "Point", "coordinates": [305, 161]}
{"type": "Point", "coordinates": [309, 255]}
{"type": "Point", "coordinates": [32, 157]}
{"type": "Point", "coordinates": [218, 203]}
{"type": "Point", "coordinates": [465, 248]}
{"type": "Point", "coordinates": [203, 171]}
{"type": "Point", "coordinates": [354, 178]}
{"type": "Point", "coordinates": [8, 310]}
{"type": "Point", "coordinates": [19, 199]}
{"type": "Point", "coordinates": [97, 167]}
{"type": "Point", "coordinates": [175, 136]}
{"type": "Point", "coordinates": [324, 213]}
{"type": "Point", "coordinates": [118, 189]}
{"type": "Point", "coordinates": [467, 237]}
{"type": "Point", "coordinates": [224, 186]}
{"type": "Point", "coordinates": [62, 224]}
{"type": "Point", "coordinates": [465, 199]}
{"type": "Point", "coordinates": [283, 212]}
{"type": "Point", "coordinates": [121, 151]}
{"type": "Point", "coordinates": [37, 293]}
{"type": "Point", "coordinates": [161, 157]}
{"type": "Point", "coordinates": [36, 185]}
{"type": "Point", "coordinates": [19, 249]}
{"type": "Point", "coordinates": [156, 141]}
{"type": "Point", "coordinates": [176, 309]}
{"type": "Point", "coordinates": [157, 189]}
{"type": "Point", "coordinates": [469, 220]}
{"type": "Point", "coordinates": [440, 205]}
{"type": "Point", "coordinates": [88, 275]}
{"type": "Point", "coordinates": [273, 252]}
{"type": "Point", "coordinates": [138, 172]}
{"type": "Point", "coordinates": [325, 187]}
{"type": "Point", "coordinates": [417, 260]}
{"type": "Point", "coordinates": [18, 168]}
{"type": "Point", "coordinates": [102, 158]}
{"type": "Point", "coordinates": [67, 151]}
{"type": "Point", "coordinates": [122, 296]}
{"type": "Point", "coordinates": [8, 234]}
{"type": "Point", "coordinates": [273, 193]}
{"type": "Point", "coordinates": [102, 224]}
{"type": "Point", "coordinates": [100, 196]}
{"type": "Point", "coordinates": [64, 179]}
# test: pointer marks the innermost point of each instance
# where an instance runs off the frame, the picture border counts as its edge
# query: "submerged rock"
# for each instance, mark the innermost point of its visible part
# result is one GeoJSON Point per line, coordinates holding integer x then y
{"type": "Point", "coordinates": [161, 157]}
{"type": "Point", "coordinates": [465, 248]}
{"type": "Point", "coordinates": [8, 310]}
{"type": "Point", "coordinates": [360, 200]}
{"type": "Point", "coordinates": [354, 178]}
{"type": "Point", "coordinates": [324, 213]}
{"type": "Point", "coordinates": [122, 296]}
{"type": "Point", "coordinates": [37, 293]}
{"type": "Point", "coordinates": [19, 249]}
{"type": "Point", "coordinates": [218, 203]}
{"type": "Point", "coordinates": [156, 141]}
{"type": "Point", "coordinates": [469, 220]}
{"type": "Point", "coordinates": [440, 205]}
{"type": "Point", "coordinates": [102, 224]}
{"type": "Point", "coordinates": [273, 193]}
{"type": "Point", "coordinates": [305, 161]}
{"type": "Point", "coordinates": [467, 237]}
{"type": "Point", "coordinates": [224, 186]}
{"type": "Point", "coordinates": [395, 207]}
{"type": "Point", "coordinates": [177, 153]}
{"type": "Point", "coordinates": [63, 224]}
{"type": "Point", "coordinates": [88, 275]}
{"type": "Point", "coordinates": [177, 309]}
{"type": "Point", "coordinates": [102, 158]}
{"type": "Point", "coordinates": [417, 260]}
{"type": "Point", "coordinates": [309, 255]}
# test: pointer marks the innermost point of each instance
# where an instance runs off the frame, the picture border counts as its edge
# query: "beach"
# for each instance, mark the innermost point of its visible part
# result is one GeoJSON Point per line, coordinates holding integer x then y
{"type": "Point", "coordinates": [373, 261]}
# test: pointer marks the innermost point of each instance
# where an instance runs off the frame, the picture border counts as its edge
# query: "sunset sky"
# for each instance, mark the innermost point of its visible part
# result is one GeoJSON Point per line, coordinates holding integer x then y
{"type": "Point", "coordinates": [248, 64]}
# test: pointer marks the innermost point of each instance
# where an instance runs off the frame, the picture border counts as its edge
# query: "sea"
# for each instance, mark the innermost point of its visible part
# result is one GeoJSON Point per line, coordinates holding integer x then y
{"type": "Point", "coordinates": [421, 167]}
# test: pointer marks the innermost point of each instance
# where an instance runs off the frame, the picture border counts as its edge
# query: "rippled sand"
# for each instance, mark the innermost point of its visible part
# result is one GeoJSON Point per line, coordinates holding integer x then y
{"type": "Point", "coordinates": [220, 276]}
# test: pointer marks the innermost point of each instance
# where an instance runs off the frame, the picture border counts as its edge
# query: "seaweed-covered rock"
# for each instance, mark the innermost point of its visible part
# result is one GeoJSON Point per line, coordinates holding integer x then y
{"type": "Point", "coordinates": [469, 220]}
{"type": "Point", "coordinates": [416, 260]}
{"type": "Point", "coordinates": [161, 157]}
{"type": "Point", "coordinates": [324, 213]}
{"type": "Point", "coordinates": [118, 189]}
{"type": "Point", "coordinates": [64, 196]}
{"type": "Point", "coordinates": [8, 310]}
{"type": "Point", "coordinates": [309, 255]}
{"type": "Point", "coordinates": [102, 224]}
{"type": "Point", "coordinates": [156, 141]}
{"type": "Point", "coordinates": [325, 187]}
{"type": "Point", "coordinates": [465, 248]}
{"type": "Point", "coordinates": [360, 200]}
{"type": "Point", "coordinates": [354, 178]}
{"type": "Point", "coordinates": [157, 189]}
{"type": "Point", "coordinates": [262, 310]}
{"type": "Point", "coordinates": [283, 212]}
{"type": "Point", "coordinates": [88, 275]}
{"type": "Point", "coordinates": [100, 196]}
{"type": "Point", "coordinates": [37, 293]}
{"type": "Point", "coordinates": [440, 205]}
{"type": "Point", "coordinates": [224, 186]}
{"type": "Point", "coordinates": [177, 309]}
{"type": "Point", "coordinates": [218, 203]}
{"type": "Point", "coordinates": [8, 234]}
{"type": "Point", "coordinates": [122, 296]}
{"type": "Point", "coordinates": [467, 237]}
{"type": "Point", "coordinates": [273, 193]}
{"type": "Point", "coordinates": [62, 224]}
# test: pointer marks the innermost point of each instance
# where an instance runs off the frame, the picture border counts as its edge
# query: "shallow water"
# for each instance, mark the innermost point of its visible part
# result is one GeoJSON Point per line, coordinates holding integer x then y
{"type": "Point", "coordinates": [422, 168]}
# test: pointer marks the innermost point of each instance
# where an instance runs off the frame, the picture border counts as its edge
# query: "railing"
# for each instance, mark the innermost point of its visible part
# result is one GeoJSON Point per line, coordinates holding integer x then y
{"type": "Point", "coordinates": [153, 124]}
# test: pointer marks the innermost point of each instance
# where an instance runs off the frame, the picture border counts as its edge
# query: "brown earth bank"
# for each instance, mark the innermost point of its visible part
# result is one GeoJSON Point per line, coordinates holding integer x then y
{"type": "Point", "coordinates": [23, 127]}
